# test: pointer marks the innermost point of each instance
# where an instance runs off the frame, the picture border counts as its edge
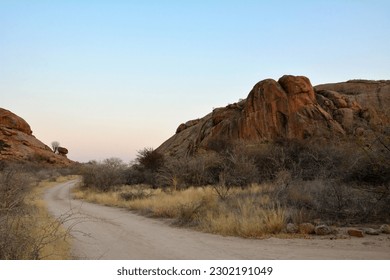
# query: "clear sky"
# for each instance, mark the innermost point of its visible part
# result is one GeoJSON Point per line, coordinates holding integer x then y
{"type": "Point", "coordinates": [108, 78]}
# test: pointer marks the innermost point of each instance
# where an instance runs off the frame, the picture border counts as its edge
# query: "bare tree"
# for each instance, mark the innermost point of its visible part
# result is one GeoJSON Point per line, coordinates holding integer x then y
{"type": "Point", "coordinates": [55, 145]}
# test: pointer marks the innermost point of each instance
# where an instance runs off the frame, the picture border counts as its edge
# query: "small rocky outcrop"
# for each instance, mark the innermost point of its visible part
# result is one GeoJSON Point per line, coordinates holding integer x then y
{"type": "Point", "coordinates": [18, 144]}
{"type": "Point", "coordinates": [290, 108]}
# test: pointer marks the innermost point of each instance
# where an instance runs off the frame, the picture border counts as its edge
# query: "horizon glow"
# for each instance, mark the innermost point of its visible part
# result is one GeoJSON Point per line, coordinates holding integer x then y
{"type": "Point", "coordinates": [108, 78]}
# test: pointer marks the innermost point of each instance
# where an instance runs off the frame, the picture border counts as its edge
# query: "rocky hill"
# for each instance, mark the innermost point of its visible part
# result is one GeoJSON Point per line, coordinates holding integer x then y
{"type": "Point", "coordinates": [290, 108]}
{"type": "Point", "coordinates": [18, 144]}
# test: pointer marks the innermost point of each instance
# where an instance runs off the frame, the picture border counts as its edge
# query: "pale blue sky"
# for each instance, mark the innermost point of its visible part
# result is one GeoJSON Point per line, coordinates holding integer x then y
{"type": "Point", "coordinates": [107, 78]}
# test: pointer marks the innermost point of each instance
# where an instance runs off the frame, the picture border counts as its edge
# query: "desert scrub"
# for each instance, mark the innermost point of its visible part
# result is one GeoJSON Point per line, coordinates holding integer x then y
{"type": "Point", "coordinates": [53, 239]}
{"type": "Point", "coordinates": [27, 231]}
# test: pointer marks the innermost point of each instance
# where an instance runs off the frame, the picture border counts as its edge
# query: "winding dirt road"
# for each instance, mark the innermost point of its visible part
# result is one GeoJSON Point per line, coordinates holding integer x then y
{"type": "Point", "coordinates": [102, 232]}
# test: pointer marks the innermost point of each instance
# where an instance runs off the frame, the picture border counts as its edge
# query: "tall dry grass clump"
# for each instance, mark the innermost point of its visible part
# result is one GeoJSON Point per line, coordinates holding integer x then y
{"type": "Point", "coordinates": [169, 204]}
{"type": "Point", "coordinates": [27, 231]}
{"type": "Point", "coordinates": [246, 213]}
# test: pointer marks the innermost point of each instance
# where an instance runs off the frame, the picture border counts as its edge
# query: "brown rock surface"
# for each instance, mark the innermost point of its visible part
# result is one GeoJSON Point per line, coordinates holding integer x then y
{"type": "Point", "coordinates": [369, 99]}
{"type": "Point", "coordinates": [289, 108]}
{"type": "Point", "coordinates": [355, 232]}
{"type": "Point", "coordinates": [371, 231]}
{"type": "Point", "coordinates": [11, 121]}
{"type": "Point", "coordinates": [18, 144]}
{"type": "Point", "coordinates": [307, 228]}
{"type": "Point", "coordinates": [62, 150]}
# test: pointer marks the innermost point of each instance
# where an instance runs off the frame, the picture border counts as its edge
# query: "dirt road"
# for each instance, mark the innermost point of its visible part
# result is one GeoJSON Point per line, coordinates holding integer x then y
{"type": "Point", "coordinates": [102, 232]}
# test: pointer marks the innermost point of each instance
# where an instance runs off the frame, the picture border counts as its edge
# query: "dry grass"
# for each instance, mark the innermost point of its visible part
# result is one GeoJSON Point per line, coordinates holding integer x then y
{"type": "Point", "coordinates": [246, 213]}
{"type": "Point", "coordinates": [110, 198]}
{"type": "Point", "coordinates": [52, 238]}
{"type": "Point", "coordinates": [247, 218]}
{"type": "Point", "coordinates": [170, 205]}
{"type": "Point", "coordinates": [27, 230]}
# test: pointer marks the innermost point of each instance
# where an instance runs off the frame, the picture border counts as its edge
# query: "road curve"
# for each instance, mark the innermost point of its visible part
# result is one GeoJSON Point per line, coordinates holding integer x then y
{"type": "Point", "coordinates": [101, 232]}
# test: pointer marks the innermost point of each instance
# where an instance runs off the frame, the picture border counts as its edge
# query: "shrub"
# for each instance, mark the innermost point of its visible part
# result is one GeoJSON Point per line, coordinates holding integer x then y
{"type": "Point", "coordinates": [24, 232]}
{"type": "Point", "coordinates": [184, 172]}
{"type": "Point", "coordinates": [146, 168]}
{"type": "Point", "coordinates": [150, 159]}
{"type": "Point", "coordinates": [221, 145]}
{"type": "Point", "coordinates": [104, 175]}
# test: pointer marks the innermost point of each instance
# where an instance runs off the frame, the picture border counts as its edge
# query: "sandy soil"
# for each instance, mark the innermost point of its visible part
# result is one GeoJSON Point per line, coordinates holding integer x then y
{"type": "Point", "coordinates": [102, 232]}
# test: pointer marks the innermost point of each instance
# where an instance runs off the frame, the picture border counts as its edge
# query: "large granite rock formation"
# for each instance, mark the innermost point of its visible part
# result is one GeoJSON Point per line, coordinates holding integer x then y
{"type": "Point", "coordinates": [369, 99]}
{"type": "Point", "coordinates": [289, 108]}
{"type": "Point", "coordinates": [18, 144]}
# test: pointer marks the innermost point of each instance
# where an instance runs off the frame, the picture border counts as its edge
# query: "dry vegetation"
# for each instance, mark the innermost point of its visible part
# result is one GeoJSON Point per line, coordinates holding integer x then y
{"type": "Point", "coordinates": [27, 231]}
{"type": "Point", "coordinates": [251, 190]}
{"type": "Point", "coordinates": [245, 213]}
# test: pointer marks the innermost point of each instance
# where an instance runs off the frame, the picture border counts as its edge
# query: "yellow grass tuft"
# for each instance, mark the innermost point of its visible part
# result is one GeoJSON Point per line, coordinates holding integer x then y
{"type": "Point", "coordinates": [169, 205]}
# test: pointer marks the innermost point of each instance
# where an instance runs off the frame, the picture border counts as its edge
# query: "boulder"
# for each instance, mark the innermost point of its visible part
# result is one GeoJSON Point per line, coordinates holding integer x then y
{"type": "Point", "coordinates": [180, 128]}
{"type": "Point", "coordinates": [322, 230]}
{"type": "Point", "coordinates": [291, 228]}
{"type": "Point", "coordinates": [385, 229]}
{"type": "Point", "coordinates": [355, 232]}
{"type": "Point", "coordinates": [371, 231]}
{"type": "Point", "coordinates": [62, 150]}
{"type": "Point", "coordinates": [307, 228]}
{"type": "Point", "coordinates": [186, 125]}
{"type": "Point", "coordinates": [338, 100]}
{"type": "Point", "coordinates": [284, 109]}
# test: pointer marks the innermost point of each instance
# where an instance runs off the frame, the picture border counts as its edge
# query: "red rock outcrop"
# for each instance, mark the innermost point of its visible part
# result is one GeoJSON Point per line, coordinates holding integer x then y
{"type": "Point", "coordinates": [11, 121]}
{"type": "Point", "coordinates": [289, 108]}
{"type": "Point", "coordinates": [358, 104]}
{"type": "Point", "coordinates": [18, 144]}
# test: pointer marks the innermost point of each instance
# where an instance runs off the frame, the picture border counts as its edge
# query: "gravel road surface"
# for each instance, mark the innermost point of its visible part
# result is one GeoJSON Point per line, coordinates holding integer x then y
{"type": "Point", "coordinates": [101, 232]}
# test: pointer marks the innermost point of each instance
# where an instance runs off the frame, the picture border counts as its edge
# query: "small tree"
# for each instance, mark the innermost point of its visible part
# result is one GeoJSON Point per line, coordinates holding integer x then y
{"type": "Point", "coordinates": [147, 165]}
{"type": "Point", "coordinates": [150, 159]}
{"type": "Point", "coordinates": [55, 145]}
